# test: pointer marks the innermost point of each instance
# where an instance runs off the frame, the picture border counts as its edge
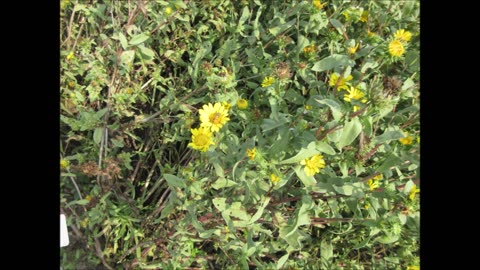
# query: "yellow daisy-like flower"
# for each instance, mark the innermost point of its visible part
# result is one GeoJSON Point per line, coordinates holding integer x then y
{"type": "Point", "coordinates": [413, 267]}
{"type": "Point", "coordinates": [274, 178]}
{"type": "Point", "coordinates": [242, 104]}
{"type": "Point", "coordinates": [64, 163]}
{"type": "Point", "coordinates": [366, 206]}
{"type": "Point", "coordinates": [403, 35]}
{"type": "Point", "coordinates": [318, 4]}
{"type": "Point", "coordinates": [213, 116]}
{"type": "Point", "coordinates": [353, 50]}
{"type": "Point", "coordinates": [168, 10]}
{"type": "Point", "coordinates": [268, 81]}
{"type": "Point", "coordinates": [354, 93]}
{"type": "Point", "coordinates": [364, 17]}
{"type": "Point", "coordinates": [371, 34]}
{"type": "Point", "coordinates": [413, 191]}
{"type": "Point", "coordinates": [373, 183]}
{"type": "Point", "coordinates": [88, 198]}
{"type": "Point", "coordinates": [395, 48]}
{"type": "Point", "coordinates": [70, 56]}
{"type": "Point", "coordinates": [313, 165]}
{"type": "Point", "coordinates": [308, 107]}
{"type": "Point", "coordinates": [226, 105]}
{"type": "Point", "coordinates": [406, 140]}
{"type": "Point", "coordinates": [309, 49]}
{"type": "Point", "coordinates": [201, 139]}
{"type": "Point", "coordinates": [343, 81]}
{"type": "Point", "coordinates": [356, 108]}
{"type": "Point", "coordinates": [251, 153]}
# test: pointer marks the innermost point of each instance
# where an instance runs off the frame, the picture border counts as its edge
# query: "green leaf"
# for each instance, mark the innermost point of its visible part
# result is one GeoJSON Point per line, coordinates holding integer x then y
{"type": "Point", "coordinates": [123, 40]}
{"type": "Point", "coordinates": [79, 202]}
{"type": "Point", "coordinates": [127, 57]}
{"type": "Point", "coordinates": [306, 180]}
{"type": "Point", "coordinates": [139, 39]}
{"type": "Point", "coordinates": [302, 154]}
{"type": "Point", "coordinates": [223, 183]}
{"type": "Point", "coordinates": [390, 161]}
{"type": "Point", "coordinates": [280, 28]}
{"type": "Point", "coordinates": [325, 148]}
{"type": "Point", "coordinates": [179, 4]}
{"type": "Point", "coordinates": [259, 212]}
{"type": "Point", "coordinates": [344, 190]}
{"type": "Point", "coordinates": [350, 132]}
{"type": "Point", "coordinates": [333, 61]}
{"type": "Point", "coordinates": [147, 51]}
{"type": "Point", "coordinates": [388, 136]}
{"type": "Point", "coordinates": [219, 203]}
{"type": "Point", "coordinates": [334, 106]}
{"type": "Point", "coordinates": [338, 25]}
{"type": "Point", "coordinates": [174, 181]}
{"type": "Point", "coordinates": [97, 135]}
{"type": "Point", "coordinates": [282, 261]}
{"type": "Point", "coordinates": [407, 84]}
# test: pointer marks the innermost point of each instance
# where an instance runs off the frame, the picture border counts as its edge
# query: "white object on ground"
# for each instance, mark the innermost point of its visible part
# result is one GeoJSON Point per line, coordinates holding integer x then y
{"type": "Point", "coordinates": [63, 231]}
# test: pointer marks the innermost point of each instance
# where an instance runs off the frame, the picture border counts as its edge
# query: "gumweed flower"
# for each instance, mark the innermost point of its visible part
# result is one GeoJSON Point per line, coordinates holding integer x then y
{"type": "Point", "coordinates": [201, 139]}
{"type": "Point", "coordinates": [413, 267]}
{"type": "Point", "coordinates": [70, 56]}
{"type": "Point", "coordinates": [268, 81]}
{"type": "Point", "coordinates": [353, 50]}
{"type": "Point", "coordinates": [64, 163]}
{"type": "Point", "coordinates": [226, 105]}
{"type": "Point", "coordinates": [364, 17]}
{"type": "Point", "coordinates": [309, 49]}
{"type": "Point", "coordinates": [168, 10]}
{"type": "Point", "coordinates": [395, 48]}
{"type": "Point", "coordinates": [251, 153]}
{"type": "Point", "coordinates": [343, 81]}
{"type": "Point", "coordinates": [242, 104]}
{"type": "Point", "coordinates": [313, 165]}
{"type": "Point", "coordinates": [318, 4]}
{"type": "Point", "coordinates": [274, 178]}
{"type": "Point", "coordinates": [213, 116]}
{"type": "Point", "coordinates": [414, 190]}
{"type": "Point", "coordinates": [406, 140]}
{"type": "Point", "coordinates": [354, 93]}
{"type": "Point", "coordinates": [373, 183]}
{"type": "Point", "coordinates": [402, 35]}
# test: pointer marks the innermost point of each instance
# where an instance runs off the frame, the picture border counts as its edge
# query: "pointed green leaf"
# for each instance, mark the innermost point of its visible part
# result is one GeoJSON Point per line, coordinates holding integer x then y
{"type": "Point", "coordinates": [219, 203]}
{"type": "Point", "coordinates": [174, 181]}
{"type": "Point", "coordinates": [302, 154]}
{"type": "Point", "coordinates": [350, 132]}
{"type": "Point", "coordinates": [123, 40]}
{"type": "Point", "coordinates": [325, 148]}
{"type": "Point", "coordinates": [259, 212]}
{"type": "Point", "coordinates": [334, 106]}
{"type": "Point", "coordinates": [223, 183]}
{"type": "Point", "coordinates": [333, 61]}
{"type": "Point", "coordinates": [139, 39]}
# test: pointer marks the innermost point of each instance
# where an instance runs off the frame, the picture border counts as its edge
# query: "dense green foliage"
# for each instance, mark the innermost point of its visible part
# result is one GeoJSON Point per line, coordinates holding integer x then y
{"type": "Point", "coordinates": [316, 166]}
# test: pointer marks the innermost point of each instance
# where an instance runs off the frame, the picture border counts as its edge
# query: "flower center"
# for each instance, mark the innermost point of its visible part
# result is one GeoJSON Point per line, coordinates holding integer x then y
{"type": "Point", "coordinates": [215, 118]}
{"type": "Point", "coordinates": [310, 164]}
{"type": "Point", "coordinates": [201, 140]}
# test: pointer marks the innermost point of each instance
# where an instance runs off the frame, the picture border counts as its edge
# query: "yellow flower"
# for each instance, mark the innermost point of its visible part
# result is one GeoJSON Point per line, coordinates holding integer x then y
{"type": "Point", "coordinates": [403, 35]}
{"type": "Point", "coordinates": [347, 15]}
{"type": "Point", "coordinates": [373, 183]}
{"type": "Point", "coordinates": [70, 56]}
{"type": "Point", "coordinates": [367, 206]}
{"type": "Point", "coordinates": [64, 163]}
{"type": "Point", "coordinates": [168, 10]}
{"type": "Point", "coordinates": [84, 223]}
{"type": "Point", "coordinates": [343, 81]}
{"type": "Point", "coordinates": [251, 153]}
{"type": "Point", "coordinates": [226, 105]}
{"type": "Point", "coordinates": [201, 139]}
{"type": "Point", "coordinates": [88, 198]}
{"type": "Point", "coordinates": [418, 139]}
{"type": "Point", "coordinates": [213, 116]}
{"type": "Point", "coordinates": [274, 178]}
{"type": "Point", "coordinates": [395, 48]}
{"type": "Point", "coordinates": [406, 140]}
{"type": "Point", "coordinates": [318, 4]}
{"type": "Point", "coordinates": [364, 17]}
{"type": "Point", "coordinates": [313, 165]}
{"type": "Point", "coordinates": [414, 190]}
{"type": "Point", "coordinates": [413, 267]}
{"type": "Point", "coordinates": [268, 81]}
{"type": "Point", "coordinates": [309, 49]}
{"type": "Point", "coordinates": [353, 50]}
{"type": "Point", "coordinates": [308, 107]}
{"type": "Point", "coordinates": [356, 108]}
{"type": "Point", "coordinates": [354, 93]}
{"type": "Point", "coordinates": [71, 84]}
{"type": "Point", "coordinates": [242, 104]}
